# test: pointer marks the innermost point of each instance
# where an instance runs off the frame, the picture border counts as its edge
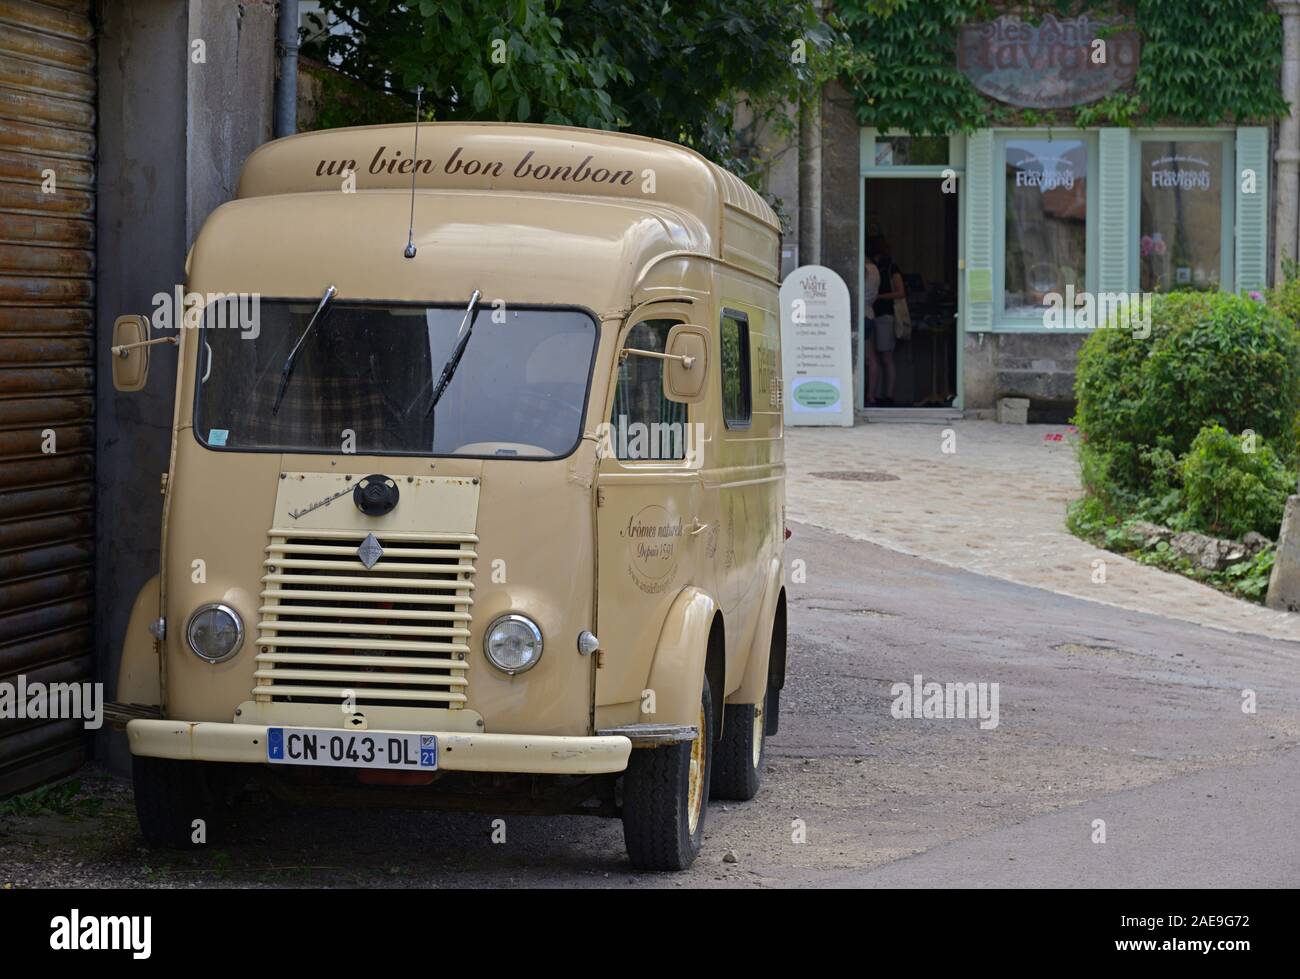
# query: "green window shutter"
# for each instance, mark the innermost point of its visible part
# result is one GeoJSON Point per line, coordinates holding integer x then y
{"type": "Point", "coordinates": [1114, 240]}
{"type": "Point", "coordinates": [1251, 268]}
{"type": "Point", "coordinates": [981, 224]}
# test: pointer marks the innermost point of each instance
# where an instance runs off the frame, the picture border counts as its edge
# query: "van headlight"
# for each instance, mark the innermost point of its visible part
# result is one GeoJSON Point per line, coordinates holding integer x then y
{"type": "Point", "coordinates": [215, 632]}
{"type": "Point", "coordinates": [513, 644]}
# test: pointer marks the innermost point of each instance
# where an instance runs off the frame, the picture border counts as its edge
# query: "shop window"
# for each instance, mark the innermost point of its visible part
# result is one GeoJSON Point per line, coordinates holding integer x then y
{"type": "Point", "coordinates": [1181, 220]}
{"type": "Point", "coordinates": [1046, 221]}
{"type": "Point", "coordinates": [737, 407]}
{"type": "Point", "coordinates": [644, 425]}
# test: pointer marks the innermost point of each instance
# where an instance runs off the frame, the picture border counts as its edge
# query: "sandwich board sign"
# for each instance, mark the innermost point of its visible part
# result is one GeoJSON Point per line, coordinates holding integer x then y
{"type": "Point", "coordinates": [816, 365]}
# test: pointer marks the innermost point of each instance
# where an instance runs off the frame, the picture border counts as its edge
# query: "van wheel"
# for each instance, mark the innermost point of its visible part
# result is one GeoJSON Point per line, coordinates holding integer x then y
{"type": "Point", "coordinates": [665, 796]}
{"type": "Point", "coordinates": [738, 767]}
{"type": "Point", "coordinates": [169, 796]}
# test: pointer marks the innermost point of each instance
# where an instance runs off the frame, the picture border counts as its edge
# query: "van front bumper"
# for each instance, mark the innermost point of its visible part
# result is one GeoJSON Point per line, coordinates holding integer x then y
{"type": "Point", "coordinates": [518, 753]}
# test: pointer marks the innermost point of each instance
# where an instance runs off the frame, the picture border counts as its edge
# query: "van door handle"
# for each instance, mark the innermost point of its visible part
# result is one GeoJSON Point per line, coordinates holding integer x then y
{"type": "Point", "coordinates": [696, 527]}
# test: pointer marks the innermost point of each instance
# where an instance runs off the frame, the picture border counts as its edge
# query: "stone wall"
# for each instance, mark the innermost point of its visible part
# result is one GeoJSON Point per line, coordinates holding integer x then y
{"type": "Point", "coordinates": [840, 193]}
{"type": "Point", "coordinates": [1037, 366]}
{"type": "Point", "coordinates": [230, 98]}
{"type": "Point", "coordinates": [173, 135]}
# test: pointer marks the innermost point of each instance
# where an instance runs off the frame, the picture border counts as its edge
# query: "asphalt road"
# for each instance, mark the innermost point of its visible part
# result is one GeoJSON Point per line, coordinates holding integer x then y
{"type": "Point", "coordinates": [1103, 715]}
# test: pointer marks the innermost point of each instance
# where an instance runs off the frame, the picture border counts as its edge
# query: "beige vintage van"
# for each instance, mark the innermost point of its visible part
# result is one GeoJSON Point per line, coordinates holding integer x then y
{"type": "Point", "coordinates": [476, 486]}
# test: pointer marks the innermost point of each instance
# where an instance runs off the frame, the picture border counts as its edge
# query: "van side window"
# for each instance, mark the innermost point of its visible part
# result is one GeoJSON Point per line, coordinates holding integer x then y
{"type": "Point", "coordinates": [644, 425]}
{"type": "Point", "coordinates": [737, 399]}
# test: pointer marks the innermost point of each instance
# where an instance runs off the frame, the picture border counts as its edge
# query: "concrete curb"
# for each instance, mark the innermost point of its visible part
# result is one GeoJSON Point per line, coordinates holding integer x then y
{"type": "Point", "coordinates": [1284, 586]}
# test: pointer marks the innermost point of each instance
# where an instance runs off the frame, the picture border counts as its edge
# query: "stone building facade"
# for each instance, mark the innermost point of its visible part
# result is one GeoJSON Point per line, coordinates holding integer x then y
{"type": "Point", "coordinates": [1014, 242]}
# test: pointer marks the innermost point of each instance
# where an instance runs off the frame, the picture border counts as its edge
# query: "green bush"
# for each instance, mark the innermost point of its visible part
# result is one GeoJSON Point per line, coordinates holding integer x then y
{"type": "Point", "coordinates": [1211, 359]}
{"type": "Point", "coordinates": [1286, 299]}
{"type": "Point", "coordinates": [1230, 491]}
{"type": "Point", "coordinates": [1163, 503]}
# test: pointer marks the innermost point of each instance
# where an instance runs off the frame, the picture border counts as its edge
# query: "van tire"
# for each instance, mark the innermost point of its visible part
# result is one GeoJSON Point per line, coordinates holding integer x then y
{"type": "Point", "coordinates": [737, 773]}
{"type": "Point", "coordinates": [169, 796]}
{"type": "Point", "coordinates": [657, 799]}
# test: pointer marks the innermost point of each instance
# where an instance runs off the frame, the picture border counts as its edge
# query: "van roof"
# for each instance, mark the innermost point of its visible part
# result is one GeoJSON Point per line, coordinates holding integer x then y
{"type": "Point", "coordinates": [517, 247]}
{"type": "Point", "coordinates": [510, 157]}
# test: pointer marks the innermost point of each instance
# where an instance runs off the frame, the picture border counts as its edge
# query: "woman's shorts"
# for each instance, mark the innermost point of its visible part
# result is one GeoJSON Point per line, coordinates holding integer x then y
{"type": "Point", "coordinates": [883, 334]}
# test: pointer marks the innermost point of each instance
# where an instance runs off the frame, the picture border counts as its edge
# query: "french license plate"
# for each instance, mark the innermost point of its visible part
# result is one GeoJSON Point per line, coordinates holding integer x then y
{"type": "Point", "coordinates": [351, 749]}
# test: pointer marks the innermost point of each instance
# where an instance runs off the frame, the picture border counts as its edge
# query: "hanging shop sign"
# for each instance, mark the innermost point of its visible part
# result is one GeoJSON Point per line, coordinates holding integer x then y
{"type": "Point", "coordinates": [1051, 65]}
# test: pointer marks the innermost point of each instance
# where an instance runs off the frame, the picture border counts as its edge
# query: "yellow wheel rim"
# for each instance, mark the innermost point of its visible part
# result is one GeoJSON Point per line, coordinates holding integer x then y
{"type": "Point", "coordinates": [695, 781]}
{"type": "Point", "coordinates": [758, 730]}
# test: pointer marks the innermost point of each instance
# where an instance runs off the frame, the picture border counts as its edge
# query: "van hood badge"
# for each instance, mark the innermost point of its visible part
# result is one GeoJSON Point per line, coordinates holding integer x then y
{"type": "Point", "coordinates": [369, 552]}
{"type": "Point", "coordinates": [318, 504]}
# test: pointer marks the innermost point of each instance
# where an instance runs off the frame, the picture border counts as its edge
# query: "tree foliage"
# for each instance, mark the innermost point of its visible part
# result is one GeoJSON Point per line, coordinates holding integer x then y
{"type": "Point", "coordinates": [675, 70]}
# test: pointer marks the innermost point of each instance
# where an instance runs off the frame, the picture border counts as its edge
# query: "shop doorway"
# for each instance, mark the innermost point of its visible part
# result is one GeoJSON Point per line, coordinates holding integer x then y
{"type": "Point", "coordinates": [917, 223]}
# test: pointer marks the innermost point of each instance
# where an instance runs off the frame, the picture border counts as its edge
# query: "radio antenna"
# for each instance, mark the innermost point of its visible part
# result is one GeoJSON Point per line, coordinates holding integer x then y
{"type": "Point", "coordinates": [410, 228]}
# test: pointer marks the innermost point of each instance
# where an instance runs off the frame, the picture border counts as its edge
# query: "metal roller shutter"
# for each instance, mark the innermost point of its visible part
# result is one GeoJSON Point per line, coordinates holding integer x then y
{"type": "Point", "coordinates": [47, 267]}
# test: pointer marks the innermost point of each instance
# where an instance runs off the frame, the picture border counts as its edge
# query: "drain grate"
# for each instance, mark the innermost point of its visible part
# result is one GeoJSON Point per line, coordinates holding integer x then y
{"type": "Point", "coordinates": [856, 476]}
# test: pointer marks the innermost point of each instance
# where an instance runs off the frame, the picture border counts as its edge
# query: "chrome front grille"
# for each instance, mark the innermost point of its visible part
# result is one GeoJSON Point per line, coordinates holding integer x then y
{"type": "Point", "coordinates": [395, 634]}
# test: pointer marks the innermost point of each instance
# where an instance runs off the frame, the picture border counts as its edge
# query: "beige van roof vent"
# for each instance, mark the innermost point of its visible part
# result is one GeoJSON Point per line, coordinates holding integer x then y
{"type": "Point", "coordinates": [741, 196]}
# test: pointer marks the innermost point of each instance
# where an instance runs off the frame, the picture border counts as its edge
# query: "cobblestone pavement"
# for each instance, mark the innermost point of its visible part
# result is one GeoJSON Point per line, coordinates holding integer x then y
{"type": "Point", "coordinates": [996, 506]}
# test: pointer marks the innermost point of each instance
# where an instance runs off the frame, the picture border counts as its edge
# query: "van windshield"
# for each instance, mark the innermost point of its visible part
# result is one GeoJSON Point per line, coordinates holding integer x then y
{"type": "Point", "coordinates": [364, 378]}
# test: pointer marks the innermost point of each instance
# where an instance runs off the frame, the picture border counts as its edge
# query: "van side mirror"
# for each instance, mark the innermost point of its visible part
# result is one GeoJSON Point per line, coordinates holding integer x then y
{"type": "Point", "coordinates": [130, 353]}
{"type": "Point", "coordinates": [686, 363]}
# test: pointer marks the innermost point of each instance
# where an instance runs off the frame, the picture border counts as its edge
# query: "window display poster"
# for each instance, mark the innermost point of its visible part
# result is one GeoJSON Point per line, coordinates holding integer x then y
{"type": "Point", "coordinates": [816, 363]}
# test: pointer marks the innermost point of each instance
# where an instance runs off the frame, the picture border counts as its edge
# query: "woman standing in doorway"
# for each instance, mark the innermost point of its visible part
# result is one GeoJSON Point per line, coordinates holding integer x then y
{"type": "Point", "coordinates": [880, 347]}
{"type": "Point", "coordinates": [871, 288]}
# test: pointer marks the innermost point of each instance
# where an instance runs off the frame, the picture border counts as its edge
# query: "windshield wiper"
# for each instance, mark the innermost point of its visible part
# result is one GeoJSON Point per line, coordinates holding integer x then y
{"type": "Point", "coordinates": [448, 369]}
{"type": "Point", "coordinates": [287, 370]}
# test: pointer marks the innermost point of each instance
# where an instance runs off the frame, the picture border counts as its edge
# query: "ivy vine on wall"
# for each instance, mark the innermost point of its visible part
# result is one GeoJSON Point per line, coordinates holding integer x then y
{"type": "Point", "coordinates": [1210, 60]}
{"type": "Point", "coordinates": [1203, 62]}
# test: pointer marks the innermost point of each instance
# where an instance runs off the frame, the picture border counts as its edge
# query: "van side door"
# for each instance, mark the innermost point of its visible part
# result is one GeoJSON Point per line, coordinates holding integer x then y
{"type": "Point", "coordinates": [746, 472]}
{"type": "Point", "coordinates": [649, 497]}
